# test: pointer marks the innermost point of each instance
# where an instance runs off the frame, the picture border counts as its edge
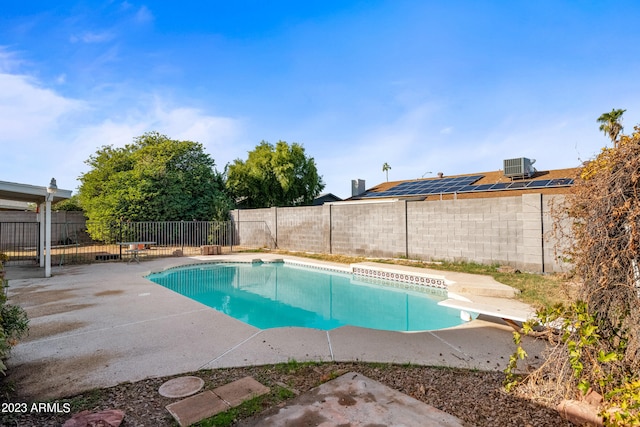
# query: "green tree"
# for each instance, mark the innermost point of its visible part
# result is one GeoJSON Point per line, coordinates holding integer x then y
{"type": "Point", "coordinates": [280, 175]}
{"type": "Point", "coordinates": [386, 168]}
{"type": "Point", "coordinates": [72, 204]}
{"type": "Point", "coordinates": [611, 124]}
{"type": "Point", "coordinates": [153, 179]}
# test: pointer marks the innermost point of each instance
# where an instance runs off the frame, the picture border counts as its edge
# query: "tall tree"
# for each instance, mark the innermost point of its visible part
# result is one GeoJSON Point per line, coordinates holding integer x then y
{"type": "Point", "coordinates": [280, 175]}
{"type": "Point", "coordinates": [153, 179]}
{"type": "Point", "coordinates": [611, 124]}
{"type": "Point", "coordinates": [386, 168]}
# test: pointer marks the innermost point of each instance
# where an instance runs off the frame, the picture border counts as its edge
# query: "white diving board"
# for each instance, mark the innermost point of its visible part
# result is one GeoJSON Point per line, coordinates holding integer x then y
{"type": "Point", "coordinates": [505, 313]}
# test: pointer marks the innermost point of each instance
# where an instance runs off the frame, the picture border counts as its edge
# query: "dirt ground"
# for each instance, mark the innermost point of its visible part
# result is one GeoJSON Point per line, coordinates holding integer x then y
{"type": "Point", "coordinates": [476, 397]}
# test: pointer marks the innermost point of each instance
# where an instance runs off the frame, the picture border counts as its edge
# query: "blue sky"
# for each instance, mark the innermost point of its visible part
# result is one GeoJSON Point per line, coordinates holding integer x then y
{"type": "Point", "coordinates": [447, 86]}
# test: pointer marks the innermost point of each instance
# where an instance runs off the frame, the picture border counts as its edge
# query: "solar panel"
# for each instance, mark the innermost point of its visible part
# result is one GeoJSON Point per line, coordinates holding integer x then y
{"type": "Point", "coordinates": [560, 182]}
{"type": "Point", "coordinates": [469, 179]}
{"type": "Point", "coordinates": [463, 184]}
{"type": "Point", "coordinates": [483, 187]}
{"type": "Point", "coordinates": [453, 189]}
{"type": "Point", "coordinates": [539, 183]}
{"type": "Point", "coordinates": [468, 189]}
{"type": "Point", "coordinates": [518, 184]}
{"type": "Point", "coordinates": [499, 186]}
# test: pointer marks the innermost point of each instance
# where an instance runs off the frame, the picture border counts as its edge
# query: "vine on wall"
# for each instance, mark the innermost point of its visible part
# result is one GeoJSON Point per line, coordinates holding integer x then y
{"type": "Point", "coordinates": [595, 342]}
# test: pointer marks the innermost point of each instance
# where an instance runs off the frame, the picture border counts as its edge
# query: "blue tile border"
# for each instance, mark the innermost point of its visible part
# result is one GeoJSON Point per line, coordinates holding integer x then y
{"type": "Point", "coordinates": [416, 281]}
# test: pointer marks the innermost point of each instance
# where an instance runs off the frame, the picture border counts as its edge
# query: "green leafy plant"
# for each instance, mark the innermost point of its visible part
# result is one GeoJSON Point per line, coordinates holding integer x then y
{"type": "Point", "coordinates": [595, 341]}
{"type": "Point", "coordinates": [14, 323]}
{"type": "Point", "coordinates": [576, 331]}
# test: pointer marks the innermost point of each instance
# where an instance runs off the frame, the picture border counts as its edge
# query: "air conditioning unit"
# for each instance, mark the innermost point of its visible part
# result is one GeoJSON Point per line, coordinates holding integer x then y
{"type": "Point", "coordinates": [519, 168]}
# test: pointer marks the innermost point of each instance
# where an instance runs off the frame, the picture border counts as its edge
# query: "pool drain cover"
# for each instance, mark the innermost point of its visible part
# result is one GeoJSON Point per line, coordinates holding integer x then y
{"type": "Point", "coordinates": [181, 387]}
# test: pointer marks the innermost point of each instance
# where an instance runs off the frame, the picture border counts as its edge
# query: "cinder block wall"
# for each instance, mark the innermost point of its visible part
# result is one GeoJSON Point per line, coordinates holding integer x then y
{"type": "Point", "coordinates": [371, 229]}
{"type": "Point", "coordinates": [301, 228]}
{"type": "Point", "coordinates": [480, 230]}
{"type": "Point", "coordinates": [515, 231]}
{"type": "Point", "coordinates": [255, 227]}
{"type": "Point", "coordinates": [29, 216]}
{"type": "Point", "coordinates": [20, 233]}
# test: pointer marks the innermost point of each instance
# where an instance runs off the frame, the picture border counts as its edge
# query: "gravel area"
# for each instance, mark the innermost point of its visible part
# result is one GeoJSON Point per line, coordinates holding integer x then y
{"type": "Point", "coordinates": [476, 397]}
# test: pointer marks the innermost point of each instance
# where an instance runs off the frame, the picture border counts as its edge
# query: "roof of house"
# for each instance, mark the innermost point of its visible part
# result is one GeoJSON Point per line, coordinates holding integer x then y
{"type": "Point", "coordinates": [326, 197]}
{"type": "Point", "coordinates": [560, 182]}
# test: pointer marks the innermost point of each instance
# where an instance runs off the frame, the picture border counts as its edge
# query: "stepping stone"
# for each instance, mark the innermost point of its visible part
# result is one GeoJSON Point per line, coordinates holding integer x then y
{"type": "Point", "coordinates": [241, 390]}
{"type": "Point", "coordinates": [355, 400]}
{"type": "Point", "coordinates": [181, 387]}
{"type": "Point", "coordinates": [209, 403]}
{"type": "Point", "coordinates": [196, 408]}
{"type": "Point", "coordinates": [107, 418]}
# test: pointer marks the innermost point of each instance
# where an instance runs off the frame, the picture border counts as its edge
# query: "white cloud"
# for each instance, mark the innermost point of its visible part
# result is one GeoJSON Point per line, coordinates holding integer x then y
{"type": "Point", "coordinates": [446, 131]}
{"type": "Point", "coordinates": [143, 15]}
{"type": "Point", "coordinates": [45, 134]}
{"type": "Point", "coordinates": [220, 136]}
{"type": "Point", "coordinates": [29, 112]}
{"type": "Point", "coordinates": [8, 61]}
{"type": "Point", "coordinates": [93, 37]}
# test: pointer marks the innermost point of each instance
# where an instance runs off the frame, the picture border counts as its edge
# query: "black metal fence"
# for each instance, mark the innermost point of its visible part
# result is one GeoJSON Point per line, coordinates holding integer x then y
{"type": "Point", "coordinates": [89, 241]}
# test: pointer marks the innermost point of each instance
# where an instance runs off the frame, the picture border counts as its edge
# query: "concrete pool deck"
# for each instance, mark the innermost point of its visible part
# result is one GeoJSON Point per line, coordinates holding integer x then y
{"type": "Point", "coordinates": [103, 324]}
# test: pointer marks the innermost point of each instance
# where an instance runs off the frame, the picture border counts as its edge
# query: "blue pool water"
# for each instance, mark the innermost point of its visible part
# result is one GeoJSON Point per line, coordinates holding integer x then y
{"type": "Point", "coordinates": [273, 295]}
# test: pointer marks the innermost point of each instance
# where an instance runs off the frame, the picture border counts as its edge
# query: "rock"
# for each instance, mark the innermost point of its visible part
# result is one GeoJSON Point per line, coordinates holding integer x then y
{"type": "Point", "coordinates": [507, 269]}
{"type": "Point", "coordinates": [106, 418]}
{"type": "Point", "coordinates": [593, 397]}
{"type": "Point", "coordinates": [580, 413]}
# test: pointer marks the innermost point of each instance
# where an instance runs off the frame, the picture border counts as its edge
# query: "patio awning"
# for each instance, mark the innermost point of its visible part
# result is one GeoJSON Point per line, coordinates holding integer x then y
{"type": "Point", "coordinates": [43, 197]}
{"type": "Point", "coordinates": [30, 193]}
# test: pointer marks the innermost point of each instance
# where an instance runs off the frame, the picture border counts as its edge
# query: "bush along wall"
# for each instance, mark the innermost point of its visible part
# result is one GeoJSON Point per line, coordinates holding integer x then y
{"type": "Point", "coordinates": [14, 323]}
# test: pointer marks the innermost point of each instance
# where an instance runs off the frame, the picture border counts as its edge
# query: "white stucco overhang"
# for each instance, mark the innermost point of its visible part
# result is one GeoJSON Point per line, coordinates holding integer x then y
{"type": "Point", "coordinates": [30, 193]}
{"type": "Point", "coordinates": [43, 196]}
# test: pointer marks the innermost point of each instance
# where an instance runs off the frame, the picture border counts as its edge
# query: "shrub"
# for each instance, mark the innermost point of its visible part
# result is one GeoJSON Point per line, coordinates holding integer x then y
{"type": "Point", "coordinates": [14, 323]}
{"type": "Point", "coordinates": [597, 345]}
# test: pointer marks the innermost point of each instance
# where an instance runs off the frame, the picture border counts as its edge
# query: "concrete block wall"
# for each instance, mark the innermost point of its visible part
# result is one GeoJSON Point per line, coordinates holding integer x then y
{"type": "Point", "coordinates": [255, 227]}
{"type": "Point", "coordinates": [479, 230]}
{"type": "Point", "coordinates": [301, 229]}
{"type": "Point", "coordinates": [19, 227]}
{"type": "Point", "coordinates": [372, 229]}
{"type": "Point", "coordinates": [554, 260]}
{"type": "Point", "coordinates": [58, 217]}
{"type": "Point", "coordinates": [515, 231]}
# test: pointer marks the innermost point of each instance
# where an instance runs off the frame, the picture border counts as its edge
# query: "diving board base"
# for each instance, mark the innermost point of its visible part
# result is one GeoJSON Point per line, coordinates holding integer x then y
{"type": "Point", "coordinates": [507, 314]}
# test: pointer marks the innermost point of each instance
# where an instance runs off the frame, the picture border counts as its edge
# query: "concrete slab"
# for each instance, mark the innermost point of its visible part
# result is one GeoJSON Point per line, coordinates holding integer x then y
{"type": "Point", "coordinates": [352, 343]}
{"type": "Point", "coordinates": [240, 391]}
{"type": "Point", "coordinates": [103, 324]}
{"type": "Point", "coordinates": [486, 345]}
{"type": "Point", "coordinates": [196, 408]}
{"type": "Point", "coordinates": [23, 272]}
{"type": "Point", "coordinates": [277, 346]}
{"type": "Point", "coordinates": [355, 400]}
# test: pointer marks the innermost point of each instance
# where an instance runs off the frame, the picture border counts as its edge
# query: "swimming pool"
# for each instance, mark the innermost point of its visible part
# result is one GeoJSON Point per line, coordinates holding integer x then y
{"type": "Point", "coordinates": [272, 295]}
